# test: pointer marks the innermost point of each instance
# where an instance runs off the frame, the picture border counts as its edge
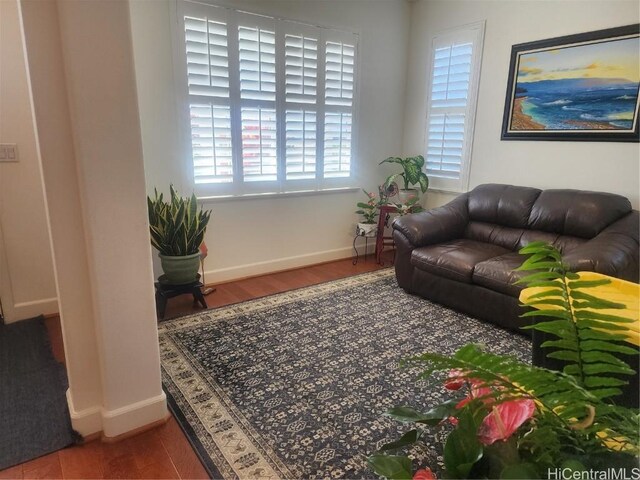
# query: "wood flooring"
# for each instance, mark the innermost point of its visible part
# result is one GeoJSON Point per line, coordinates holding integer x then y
{"type": "Point", "coordinates": [164, 452]}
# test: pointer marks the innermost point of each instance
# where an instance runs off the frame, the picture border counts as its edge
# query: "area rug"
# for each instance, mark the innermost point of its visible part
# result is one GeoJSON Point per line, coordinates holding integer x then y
{"type": "Point", "coordinates": [295, 385]}
{"type": "Point", "coordinates": [34, 417]}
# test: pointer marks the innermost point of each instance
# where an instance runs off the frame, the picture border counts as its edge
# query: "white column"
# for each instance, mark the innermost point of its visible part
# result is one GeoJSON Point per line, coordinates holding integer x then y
{"type": "Point", "coordinates": [54, 140]}
{"type": "Point", "coordinates": [93, 53]}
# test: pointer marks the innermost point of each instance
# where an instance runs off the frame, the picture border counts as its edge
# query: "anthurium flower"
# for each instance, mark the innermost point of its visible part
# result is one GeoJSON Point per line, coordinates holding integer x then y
{"type": "Point", "coordinates": [504, 419]}
{"type": "Point", "coordinates": [455, 380]}
{"type": "Point", "coordinates": [477, 391]}
{"type": "Point", "coordinates": [424, 474]}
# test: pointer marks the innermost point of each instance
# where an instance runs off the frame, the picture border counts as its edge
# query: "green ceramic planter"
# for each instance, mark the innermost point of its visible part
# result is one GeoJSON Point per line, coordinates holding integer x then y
{"type": "Point", "coordinates": [180, 270]}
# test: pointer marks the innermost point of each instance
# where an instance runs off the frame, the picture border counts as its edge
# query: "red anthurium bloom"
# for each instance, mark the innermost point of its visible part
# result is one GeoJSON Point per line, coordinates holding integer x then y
{"type": "Point", "coordinates": [504, 419]}
{"type": "Point", "coordinates": [485, 393]}
{"type": "Point", "coordinates": [477, 392]}
{"type": "Point", "coordinates": [455, 381]}
{"type": "Point", "coordinates": [424, 474]}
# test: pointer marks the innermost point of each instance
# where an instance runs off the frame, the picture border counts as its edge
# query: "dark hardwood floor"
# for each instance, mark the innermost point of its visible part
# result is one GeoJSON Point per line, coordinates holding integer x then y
{"type": "Point", "coordinates": [164, 452]}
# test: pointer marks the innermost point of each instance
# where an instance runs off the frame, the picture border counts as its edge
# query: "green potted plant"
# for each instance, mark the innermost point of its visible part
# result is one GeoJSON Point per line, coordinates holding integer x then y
{"type": "Point", "coordinates": [411, 175]}
{"type": "Point", "coordinates": [369, 212]}
{"type": "Point", "coordinates": [412, 206]}
{"type": "Point", "coordinates": [177, 229]}
{"type": "Point", "coordinates": [515, 420]}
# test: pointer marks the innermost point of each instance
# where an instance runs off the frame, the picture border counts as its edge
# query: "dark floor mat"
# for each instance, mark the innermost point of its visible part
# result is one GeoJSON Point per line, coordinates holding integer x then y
{"type": "Point", "coordinates": [34, 418]}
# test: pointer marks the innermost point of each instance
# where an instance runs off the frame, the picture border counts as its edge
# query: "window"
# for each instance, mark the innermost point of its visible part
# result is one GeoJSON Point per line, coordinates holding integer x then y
{"type": "Point", "coordinates": [454, 73]}
{"type": "Point", "coordinates": [270, 102]}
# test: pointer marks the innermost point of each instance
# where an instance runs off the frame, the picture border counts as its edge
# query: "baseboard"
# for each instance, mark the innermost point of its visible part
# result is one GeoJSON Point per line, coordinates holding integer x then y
{"type": "Point", "coordinates": [25, 310]}
{"type": "Point", "coordinates": [86, 422]}
{"type": "Point", "coordinates": [136, 431]}
{"type": "Point", "coordinates": [132, 417]}
{"type": "Point", "coordinates": [118, 423]}
{"type": "Point", "coordinates": [271, 266]}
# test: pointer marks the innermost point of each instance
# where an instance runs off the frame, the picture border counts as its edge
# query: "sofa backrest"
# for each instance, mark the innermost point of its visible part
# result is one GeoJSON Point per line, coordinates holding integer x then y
{"type": "Point", "coordinates": [567, 212]}
{"type": "Point", "coordinates": [575, 212]}
{"type": "Point", "coordinates": [513, 216]}
{"type": "Point", "coordinates": [502, 204]}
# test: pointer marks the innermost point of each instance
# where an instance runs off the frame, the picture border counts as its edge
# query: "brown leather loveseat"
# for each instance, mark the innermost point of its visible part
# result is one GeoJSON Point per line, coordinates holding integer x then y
{"type": "Point", "coordinates": [463, 254]}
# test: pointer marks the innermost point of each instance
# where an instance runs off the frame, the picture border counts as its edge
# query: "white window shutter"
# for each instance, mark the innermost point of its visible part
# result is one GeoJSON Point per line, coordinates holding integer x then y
{"type": "Point", "coordinates": [257, 54]}
{"type": "Point", "coordinates": [454, 74]}
{"type": "Point", "coordinates": [445, 145]}
{"type": "Point", "coordinates": [301, 68]}
{"type": "Point", "coordinates": [270, 102]}
{"type": "Point", "coordinates": [337, 144]}
{"type": "Point", "coordinates": [259, 159]}
{"type": "Point", "coordinates": [338, 119]}
{"type": "Point", "coordinates": [339, 69]}
{"type": "Point", "coordinates": [300, 144]}
{"type": "Point", "coordinates": [207, 57]}
{"type": "Point", "coordinates": [211, 144]}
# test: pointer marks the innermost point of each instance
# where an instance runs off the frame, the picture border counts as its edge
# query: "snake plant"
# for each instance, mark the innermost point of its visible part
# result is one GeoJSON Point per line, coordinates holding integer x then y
{"type": "Point", "coordinates": [176, 226]}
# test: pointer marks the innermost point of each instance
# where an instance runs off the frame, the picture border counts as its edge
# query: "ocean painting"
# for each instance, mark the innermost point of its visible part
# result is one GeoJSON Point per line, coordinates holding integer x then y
{"type": "Point", "coordinates": [588, 87]}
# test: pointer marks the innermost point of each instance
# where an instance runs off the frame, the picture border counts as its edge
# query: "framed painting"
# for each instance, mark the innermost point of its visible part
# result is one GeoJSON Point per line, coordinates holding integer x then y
{"type": "Point", "coordinates": [580, 87]}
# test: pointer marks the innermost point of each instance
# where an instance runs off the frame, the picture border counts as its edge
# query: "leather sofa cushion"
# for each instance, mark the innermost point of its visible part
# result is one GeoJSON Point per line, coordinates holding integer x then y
{"type": "Point", "coordinates": [564, 243]}
{"type": "Point", "coordinates": [577, 213]}
{"type": "Point", "coordinates": [506, 237]}
{"type": "Point", "coordinates": [502, 204]}
{"type": "Point", "coordinates": [455, 259]}
{"type": "Point", "coordinates": [515, 238]}
{"type": "Point", "coordinates": [498, 274]}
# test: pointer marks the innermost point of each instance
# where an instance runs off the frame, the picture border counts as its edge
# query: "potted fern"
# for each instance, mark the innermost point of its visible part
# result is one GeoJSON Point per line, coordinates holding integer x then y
{"type": "Point", "coordinates": [411, 175]}
{"type": "Point", "coordinates": [177, 228]}
{"type": "Point", "coordinates": [520, 421]}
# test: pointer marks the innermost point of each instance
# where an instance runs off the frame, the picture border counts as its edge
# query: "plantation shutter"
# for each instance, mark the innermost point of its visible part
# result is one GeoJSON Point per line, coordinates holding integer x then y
{"type": "Point", "coordinates": [257, 53]}
{"type": "Point", "coordinates": [301, 68]}
{"type": "Point", "coordinates": [451, 106]}
{"type": "Point", "coordinates": [301, 87]}
{"type": "Point", "coordinates": [207, 57]}
{"type": "Point", "coordinates": [339, 63]}
{"type": "Point", "coordinates": [339, 85]}
{"type": "Point", "coordinates": [257, 67]}
{"type": "Point", "coordinates": [270, 102]}
{"type": "Point", "coordinates": [259, 158]}
{"type": "Point", "coordinates": [208, 86]}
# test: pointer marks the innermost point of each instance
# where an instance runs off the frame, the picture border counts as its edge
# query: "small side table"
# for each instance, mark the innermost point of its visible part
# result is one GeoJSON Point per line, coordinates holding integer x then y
{"type": "Point", "coordinates": [165, 291]}
{"type": "Point", "coordinates": [366, 247]}
{"type": "Point", "coordinates": [382, 240]}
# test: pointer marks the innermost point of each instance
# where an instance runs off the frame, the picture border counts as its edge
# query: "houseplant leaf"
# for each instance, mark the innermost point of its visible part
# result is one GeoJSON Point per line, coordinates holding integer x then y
{"type": "Point", "coordinates": [391, 466]}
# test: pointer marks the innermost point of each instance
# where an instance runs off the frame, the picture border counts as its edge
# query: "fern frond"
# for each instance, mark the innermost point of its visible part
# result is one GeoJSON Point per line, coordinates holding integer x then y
{"type": "Point", "coordinates": [586, 336]}
{"type": "Point", "coordinates": [511, 378]}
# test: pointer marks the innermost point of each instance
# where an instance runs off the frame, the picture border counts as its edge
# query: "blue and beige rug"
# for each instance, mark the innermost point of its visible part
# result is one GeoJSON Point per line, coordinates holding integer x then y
{"type": "Point", "coordinates": [294, 385]}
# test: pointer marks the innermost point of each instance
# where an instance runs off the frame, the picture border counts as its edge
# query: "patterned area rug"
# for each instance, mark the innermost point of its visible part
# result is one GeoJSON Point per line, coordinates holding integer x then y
{"type": "Point", "coordinates": [294, 385]}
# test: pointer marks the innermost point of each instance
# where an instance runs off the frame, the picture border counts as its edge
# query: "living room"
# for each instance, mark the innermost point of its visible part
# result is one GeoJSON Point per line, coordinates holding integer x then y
{"type": "Point", "coordinates": [97, 98]}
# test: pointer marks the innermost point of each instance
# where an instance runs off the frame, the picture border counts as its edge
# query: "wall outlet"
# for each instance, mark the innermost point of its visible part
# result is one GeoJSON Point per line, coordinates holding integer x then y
{"type": "Point", "coordinates": [8, 152]}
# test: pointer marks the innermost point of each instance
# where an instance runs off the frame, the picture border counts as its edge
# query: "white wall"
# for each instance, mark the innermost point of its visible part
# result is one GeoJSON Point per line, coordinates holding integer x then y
{"type": "Point", "coordinates": [602, 166]}
{"type": "Point", "coordinates": [254, 236]}
{"type": "Point", "coordinates": [27, 285]}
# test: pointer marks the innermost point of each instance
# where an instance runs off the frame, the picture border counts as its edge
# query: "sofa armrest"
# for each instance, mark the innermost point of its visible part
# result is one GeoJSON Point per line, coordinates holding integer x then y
{"type": "Point", "coordinates": [436, 225]}
{"type": "Point", "coordinates": [613, 252]}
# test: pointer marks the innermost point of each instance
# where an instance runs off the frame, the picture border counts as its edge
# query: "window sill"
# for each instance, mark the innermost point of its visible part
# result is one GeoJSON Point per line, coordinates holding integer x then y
{"type": "Point", "coordinates": [448, 191]}
{"type": "Point", "coordinates": [264, 196]}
